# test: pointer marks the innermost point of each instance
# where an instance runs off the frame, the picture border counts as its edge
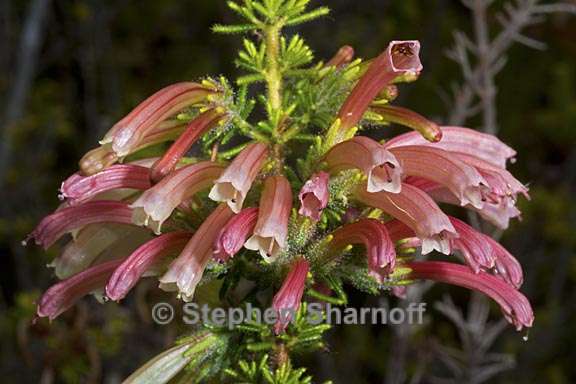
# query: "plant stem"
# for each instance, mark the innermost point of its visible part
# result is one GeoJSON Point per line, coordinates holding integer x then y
{"type": "Point", "coordinates": [274, 84]}
{"type": "Point", "coordinates": [273, 75]}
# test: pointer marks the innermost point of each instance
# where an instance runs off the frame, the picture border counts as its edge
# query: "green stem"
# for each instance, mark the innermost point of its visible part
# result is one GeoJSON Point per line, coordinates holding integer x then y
{"type": "Point", "coordinates": [273, 75]}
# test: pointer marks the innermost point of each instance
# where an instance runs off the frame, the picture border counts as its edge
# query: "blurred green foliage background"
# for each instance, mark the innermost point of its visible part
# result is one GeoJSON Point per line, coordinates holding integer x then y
{"type": "Point", "coordinates": [98, 58]}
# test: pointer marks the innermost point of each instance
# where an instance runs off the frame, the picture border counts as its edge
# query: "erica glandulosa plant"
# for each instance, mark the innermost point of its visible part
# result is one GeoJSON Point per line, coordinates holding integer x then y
{"type": "Point", "coordinates": [287, 194]}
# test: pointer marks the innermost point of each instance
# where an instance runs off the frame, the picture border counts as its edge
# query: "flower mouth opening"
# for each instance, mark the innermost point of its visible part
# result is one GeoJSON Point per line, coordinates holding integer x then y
{"type": "Point", "coordinates": [225, 191]}
{"type": "Point", "coordinates": [405, 56]}
{"type": "Point", "coordinates": [385, 176]}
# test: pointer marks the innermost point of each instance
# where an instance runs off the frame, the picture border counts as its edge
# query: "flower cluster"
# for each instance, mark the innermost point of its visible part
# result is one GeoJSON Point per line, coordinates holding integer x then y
{"type": "Point", "coordinates": [173, 216]}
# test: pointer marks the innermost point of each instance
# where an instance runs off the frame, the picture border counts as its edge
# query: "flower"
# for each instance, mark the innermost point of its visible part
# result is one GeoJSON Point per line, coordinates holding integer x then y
{"type": "Point", "coordinates": [441, 167]}
{"type": "Point", "coordinates": [66, 293]}
{"type": "Point", "coordinates": [472, 244]}
{"type": "Point", "coordinates": [287, 300]}
{"type": "Point", "coordinates": [418, 211]}
{"type": "Point", "coordinates": [400, 58]}
{"type": "Point", "coordinates": [503, 185]}
{"type": "Point", "coordinates": [374, 236]}
{"type": "Point", "coordinates": [379, 165]}
{"type": "Point", "coordinates": [97, 159]}
{"type": "Point", "coordinates": [271, 228]}
{"type": "Point", "coordinates": [185, 272]}
{"type": "Point", "coordinates": [102, 157]}
{"type": "Point", "coordinates": [498, 213]}
{"type": "Point", "coordinates": [344, 56]}
{"type": "Point", "coordinates": [461, 140]}
{"type": "Point", "coordinates": [514, 305]}
{"type": "Point", "coordinates": [149, 254]}
{"type": "Point", "coordinates": [127, 134]}
{"type": "Point", "coordinates": [68, 219]}
{"type": "Point", "coordinates": [78, 189]}
{"type": "Point", "coordinates": [403, 116]}
{"type": "Point", "coordinates": [156, 204]}
{"type": "Point", "coordinates": [234, 234]}
{"type": "Point", "coordinates": [235, 182]}
{"type": "Point", "coordinates": [314, 196]}
{"type": "Point", "coordinates": [96, 243]}
{"type": "Point", "coordinates": [198, 126]}
{"type": "Point", "coordinates": [507, 267]}
{"type": "Point", "coordinates": [480, 251]}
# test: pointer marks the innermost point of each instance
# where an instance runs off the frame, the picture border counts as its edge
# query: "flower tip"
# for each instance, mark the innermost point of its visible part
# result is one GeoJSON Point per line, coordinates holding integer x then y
{"type": "Point", "coordinates": [96, 160]}
{"type": "Point", "coordinates": [404, 56]}
{"type": "Point", "coordinates": [344, 55]}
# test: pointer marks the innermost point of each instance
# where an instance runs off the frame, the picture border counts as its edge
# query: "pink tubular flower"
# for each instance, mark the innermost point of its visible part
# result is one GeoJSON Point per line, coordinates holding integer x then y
{"type": "Point", "coordinates": [401, 57]}
{"type": "Point", "coordinates": [461, 140]}
{"type": "Point", "coordinates": [498, 213]}
{"type": "Point", "coordinates": [95, 242]}
{"type": "Point", "coordinates": [185, 272]}
{"type": "Point", "coordinates": [514, 305]}
{"type": "Point", "coordinates": [97, 159]}
{"type": "Point", "coordinates": [418, 211]}
{"type": "Point", "coordinates": [480, 251]}
{"type": "Point", "coordinates": [63, 295]}
{"type": "Point", "coordinates": [142, 260]}
{"type": "Point", "coordinates": [403, 116]}
{"type": "Point", "coordinates": [344, 55]}
{"type": "Point", "coordinates": [237, 179]}
{"type": "Point", "coordinates": [127, 134]}
{"type": "Point", "coordinates": [78, 189]}
{"type": "Point", "coordinates": [102, 157]}
{"type": "Point", "coordinates": [196, 128]}
{"type": "Point", "coordinates": [379, 165]}
{"type": "Point", "coordinates": [272, 226]}
{"type": "Point", "coordinates": [157, 203]}
{"type": "Point", "coordinates": [484, 253]}
{"type": "Point", "coordinates": [314, 196]}
{"type": "Point", "coordinates": [443, 168]}
{"type": "Point", "coordinates": [234, 234]}
{"type": "Point", "coordinates": [374, 236]}
{"type": "Point", "coordinates": [397, 230]}
{"type": "Point", "coordinates": [472, 244]}
{"type": "Point", "coordinates": [287, 300]}
{"type": "Point", "coordinates": [68, 219]}
{"type": "Point", "coordinates": [507, 267]}
{"type": "Point", "coordinates": [501, 182]}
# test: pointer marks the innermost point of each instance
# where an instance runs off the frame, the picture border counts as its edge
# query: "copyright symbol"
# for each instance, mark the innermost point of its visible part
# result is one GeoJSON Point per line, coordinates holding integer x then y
{"type": "Point", "coordinates": [162, 313]}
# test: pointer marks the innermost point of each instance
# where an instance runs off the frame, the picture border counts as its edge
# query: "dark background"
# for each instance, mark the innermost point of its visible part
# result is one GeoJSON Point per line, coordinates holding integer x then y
{"type": "Point", "coordinates": [84, 63]}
